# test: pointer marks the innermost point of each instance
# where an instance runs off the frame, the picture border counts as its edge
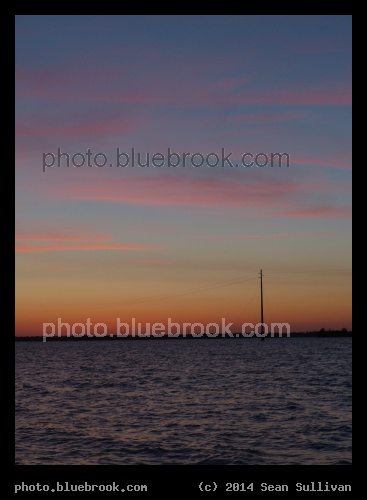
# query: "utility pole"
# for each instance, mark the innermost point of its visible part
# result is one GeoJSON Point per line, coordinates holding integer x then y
{"type": "Point", "coordinates": [262, 308]}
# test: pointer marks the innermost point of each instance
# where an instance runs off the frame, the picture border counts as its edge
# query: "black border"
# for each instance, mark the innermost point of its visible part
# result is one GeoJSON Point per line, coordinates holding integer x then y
{"type": "Point", "coordinates": [165, 480]}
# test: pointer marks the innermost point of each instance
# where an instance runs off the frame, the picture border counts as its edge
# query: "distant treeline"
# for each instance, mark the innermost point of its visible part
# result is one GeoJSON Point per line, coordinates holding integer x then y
{"type": "Point", "coordinates": [321, 333]}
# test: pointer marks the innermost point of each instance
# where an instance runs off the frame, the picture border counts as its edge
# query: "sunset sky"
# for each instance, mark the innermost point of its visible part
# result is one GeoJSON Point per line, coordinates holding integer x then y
{"type": "Point", "coordinates": [185, 243]}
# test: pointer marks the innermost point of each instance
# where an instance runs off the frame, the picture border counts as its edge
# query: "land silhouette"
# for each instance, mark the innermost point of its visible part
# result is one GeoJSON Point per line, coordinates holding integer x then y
{"type": "Point", "coordinates": [323, 333]}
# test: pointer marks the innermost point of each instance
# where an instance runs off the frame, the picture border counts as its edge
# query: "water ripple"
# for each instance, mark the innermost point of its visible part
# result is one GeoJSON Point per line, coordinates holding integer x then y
{"type": "Point", "coordinates": [228, 401]}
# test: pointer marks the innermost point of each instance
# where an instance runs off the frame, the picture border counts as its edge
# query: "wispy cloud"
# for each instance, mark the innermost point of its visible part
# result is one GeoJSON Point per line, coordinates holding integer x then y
{"type": "Point", "coordinates": [53, 241]}
{"type": "Point", "coordinates": [263, 197]}
{"type": "Point", "coordinates": [80, 130]}
{"type": "Point", "coordinates": [255, 237]}
{"type": "Point", "coordinates": [320, 211]}
{"type": "Point", "coordinates": [181, 88]}
{"type": "Point", "coordinates": [57, 247]}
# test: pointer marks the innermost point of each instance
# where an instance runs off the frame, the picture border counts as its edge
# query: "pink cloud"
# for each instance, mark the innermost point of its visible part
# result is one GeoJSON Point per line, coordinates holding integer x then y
{"type": "Point", "coordinates": [324, 211]}
{"type": "Point", "coordinates": [57, 247]}
{"type": "Point", "coordinates": [316, 97]}
{"type": "Point", "coordinates": [51, 241]}
{"type": "Point", "coordinates": [52, 236]}
{"type": "Point", "coordinates": [183, 88]}
{"type": "Point", "coordinates": [242, 119]}
{"type": "Point", "coordinates": [268, 117]}
{"type": "Point", "coordinates": [182, 192]}
{"type": "Point", "coordinates": [266, 236]}
{"type": "Point", "coordinates": [258, 197]}
{"type": "Point", "coordinates": [80, 130]}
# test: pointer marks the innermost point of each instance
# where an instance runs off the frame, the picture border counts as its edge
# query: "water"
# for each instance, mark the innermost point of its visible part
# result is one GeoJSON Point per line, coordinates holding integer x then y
{"type": "Point", "coordinates": [193, 401]}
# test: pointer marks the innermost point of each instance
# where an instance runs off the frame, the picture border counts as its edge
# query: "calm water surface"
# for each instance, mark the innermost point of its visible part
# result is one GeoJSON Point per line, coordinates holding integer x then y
{"type": "Point", "coordinates": [193, 401]}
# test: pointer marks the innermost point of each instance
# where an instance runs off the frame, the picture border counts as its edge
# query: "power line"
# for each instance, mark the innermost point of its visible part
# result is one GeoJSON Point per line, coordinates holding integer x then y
{"type": "Point", "coordinates": [236, 281]}
{"type": "Point", "coordinates": [310, 273]}
{"type": "Point", "coordinates": [190, 291]}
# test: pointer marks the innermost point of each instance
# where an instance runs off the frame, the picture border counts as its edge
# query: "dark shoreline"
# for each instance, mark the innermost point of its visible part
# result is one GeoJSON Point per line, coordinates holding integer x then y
{"type": "Point", "coordinates": [324, 334]}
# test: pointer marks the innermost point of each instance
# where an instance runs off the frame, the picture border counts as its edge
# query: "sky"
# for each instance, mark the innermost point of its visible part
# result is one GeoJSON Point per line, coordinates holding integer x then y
{"type": "Point", "coordinates": [186, 243]}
